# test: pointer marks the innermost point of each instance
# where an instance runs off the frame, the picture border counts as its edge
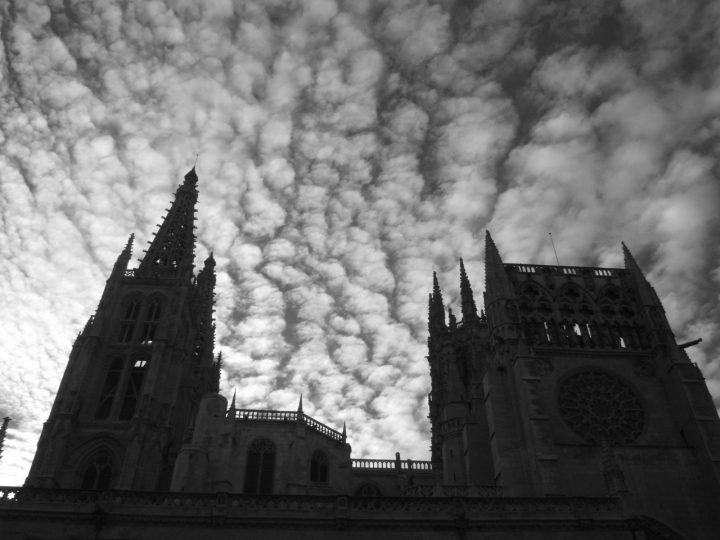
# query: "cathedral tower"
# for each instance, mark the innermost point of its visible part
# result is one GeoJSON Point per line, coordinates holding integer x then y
{"type": "Point", "coordinates": [137, 371]}
{"type": "Point", "coordinates": [572, 384]}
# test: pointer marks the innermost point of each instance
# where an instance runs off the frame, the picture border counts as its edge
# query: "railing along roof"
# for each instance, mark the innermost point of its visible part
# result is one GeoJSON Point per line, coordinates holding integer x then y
{"type": "Point", "coordinates": [288, 416]}
{"type": "Point", "coordinates": [564, 270]}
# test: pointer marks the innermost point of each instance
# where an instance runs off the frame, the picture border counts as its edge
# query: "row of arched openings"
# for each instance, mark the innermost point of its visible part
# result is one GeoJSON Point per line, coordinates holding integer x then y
{"type": "Point", "coordinates": [130, 321]}
{"type": "Point", "coordinates": [574, 319]}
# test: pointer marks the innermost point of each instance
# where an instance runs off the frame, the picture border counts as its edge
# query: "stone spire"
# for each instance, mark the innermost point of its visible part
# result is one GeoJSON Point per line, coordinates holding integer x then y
{"type": "Point", "coordinates": [300, 409]}
{"type": "Point", "coordinates": [123, 259]}
{"type": "Point", "coordinates": [3, 431]}
{"type": "Point", "coordinates": [644, 290]}
{"type": "Point", "coordinates": [467, 301]}
{"type": "Point", "coordinates": [497, 283]}
{"type": "Point", "coordinates": [172, 251]}
{"type": "Point", "coordinates": [436, 308]}
{"type": "Point", "coordinates": [203, 304]}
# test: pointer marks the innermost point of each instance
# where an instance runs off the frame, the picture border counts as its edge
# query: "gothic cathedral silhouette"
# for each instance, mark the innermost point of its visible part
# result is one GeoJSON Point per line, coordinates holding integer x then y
{"type": "Point", "coordinates": [564, 409]}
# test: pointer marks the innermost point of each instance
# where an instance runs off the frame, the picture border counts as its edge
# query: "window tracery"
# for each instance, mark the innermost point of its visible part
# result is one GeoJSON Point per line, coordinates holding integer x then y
{"type": "Point", "coordinates": [319, 467]}
{"type": "Point", "coordinates": [132, 391]}
{"type": "Point", "coordinates": [576, 319]}
{"type": "Point", "coordinates": [151, 323]}
{"type": "Point", "coordinates": [127, 327]}
{"type": "Point", "coordinates": [98, 473]}
{"type": "Point", "coordinates": [107, 395]}
{"type": "Point", "coordinates": [595, 404]}
{"type": "Point", "coordinates": [260, 467]}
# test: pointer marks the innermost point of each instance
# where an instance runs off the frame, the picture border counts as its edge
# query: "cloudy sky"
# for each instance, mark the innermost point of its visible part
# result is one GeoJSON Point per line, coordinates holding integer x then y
{"type": "Point", "coordinates": [347, 149]}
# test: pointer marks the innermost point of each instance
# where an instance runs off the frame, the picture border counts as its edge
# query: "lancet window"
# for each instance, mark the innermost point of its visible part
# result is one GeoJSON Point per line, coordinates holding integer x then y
{"type": "Point", "coordinates": [98, 473]}
{"type": "Point", "coordinates": [151, 323]}
{"type": "Point", "coordinates": [132, 391]}
{"type": "Point", "coordinates": [319, 467]}
{"type": "Point", "coordinates": [260, 468]}
{"type": "Point", "coordinates": [127, 328]}
{"type": "Point", "coordinates": [109, 389]}
{"type": "Point", "coordinates": [575, 319]}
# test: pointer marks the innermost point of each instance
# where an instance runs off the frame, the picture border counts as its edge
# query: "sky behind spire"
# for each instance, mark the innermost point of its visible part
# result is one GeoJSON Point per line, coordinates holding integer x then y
{"type": "Point", "coordinates": [347, 149]}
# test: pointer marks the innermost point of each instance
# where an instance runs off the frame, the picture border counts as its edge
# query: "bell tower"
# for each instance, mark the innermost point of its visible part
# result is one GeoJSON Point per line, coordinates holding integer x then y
{"type": "Point", "coordinates": [137, 371]}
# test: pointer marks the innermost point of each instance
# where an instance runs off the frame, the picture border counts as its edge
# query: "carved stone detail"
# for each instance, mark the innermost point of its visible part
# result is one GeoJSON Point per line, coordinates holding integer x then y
{"type": "Point", "coordinates": [644, 369]}
{"type": "Point", "coordinates": [596, 404]}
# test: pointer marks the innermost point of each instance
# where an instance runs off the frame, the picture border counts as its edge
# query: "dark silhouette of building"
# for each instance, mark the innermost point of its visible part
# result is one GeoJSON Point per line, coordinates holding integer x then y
{"type": "Point", "coordinates": [565, 409]}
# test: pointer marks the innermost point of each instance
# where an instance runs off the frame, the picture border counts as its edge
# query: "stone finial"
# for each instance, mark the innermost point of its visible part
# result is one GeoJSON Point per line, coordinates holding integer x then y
{"type": "Point", "coordinates": [231, 410]}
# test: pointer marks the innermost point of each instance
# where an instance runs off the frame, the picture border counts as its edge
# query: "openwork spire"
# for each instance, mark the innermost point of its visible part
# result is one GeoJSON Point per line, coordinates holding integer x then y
{"type": "Point", "coordinates": [172, 251]}
{"type": "Point", "coordinates": [469, 309]}
{"type": "Point", "coordinates": [123, 259]}
{"type": "Point", "coordinates": [436, 308]}
{"type": "Point", "coordinates": [203, 308]}
{"type": "Point", "coordinates": [216, 371]}
{"type": "Point", "coordinates": [3, 431]}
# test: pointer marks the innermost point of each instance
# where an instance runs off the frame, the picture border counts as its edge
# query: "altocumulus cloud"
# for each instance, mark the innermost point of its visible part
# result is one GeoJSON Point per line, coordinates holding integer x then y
{"type": "Point", "coordinates": [347, 149]}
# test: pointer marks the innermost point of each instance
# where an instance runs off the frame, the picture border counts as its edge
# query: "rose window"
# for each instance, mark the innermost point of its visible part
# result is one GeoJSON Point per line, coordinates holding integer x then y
{"type": "Point", "coordinates": [594, 404]}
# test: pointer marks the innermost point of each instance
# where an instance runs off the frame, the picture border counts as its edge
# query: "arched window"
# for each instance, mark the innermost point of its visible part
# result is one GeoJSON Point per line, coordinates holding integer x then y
{"type": "Point", "coordinates": [260, 467]}
{"type": "Point", "coordinates": [98, 474]}
{"type": "Point", "coordinates": [132, 392]}
{"type": "Point", "coordinates": [151, 322]}
{"type": "Point", "coordinates": [368, 490]}
{"type": "Point", "coordinates": [319, 467]}
{"type": "Point", "coordinates": [127, 328]}
{"type": "Point", "coordinates": [107, 396]}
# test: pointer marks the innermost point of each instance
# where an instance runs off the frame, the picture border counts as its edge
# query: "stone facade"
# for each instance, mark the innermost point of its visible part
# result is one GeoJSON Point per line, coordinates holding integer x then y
{"type": "Point", "coordinates": [565, 409]}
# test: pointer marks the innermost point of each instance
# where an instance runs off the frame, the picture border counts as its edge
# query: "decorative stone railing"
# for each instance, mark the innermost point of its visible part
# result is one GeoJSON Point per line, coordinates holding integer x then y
{"type": "Point", "coordinates": [454, 491]}
{"type": "Point", "coordinates": [76, 500]}
{"type": "Point", "coordinates": [564, 270]}
{"type": "Point", "coordinates": [288, 416]}
{"type": "Point", "coordinates": [130, 273]}
{"type": "Point", "coordinates": [392, 464]}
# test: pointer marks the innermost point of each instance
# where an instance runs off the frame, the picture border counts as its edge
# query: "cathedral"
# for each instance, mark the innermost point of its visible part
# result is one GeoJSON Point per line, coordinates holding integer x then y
{"type": "Point", "coordinates": [563, 409]}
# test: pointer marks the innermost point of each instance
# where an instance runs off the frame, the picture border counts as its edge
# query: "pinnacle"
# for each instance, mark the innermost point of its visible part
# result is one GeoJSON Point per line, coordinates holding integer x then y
{"type": "Point", "coordinates": [437, 294]}
{"type": "Point", "coordinates": [128, 246]}
{"type": "Point", "coordinates": [469, 309]}
{"type": "Point", "coordinates": [191, 178]}
{"type": "Point", "coordinates": [630, 262]}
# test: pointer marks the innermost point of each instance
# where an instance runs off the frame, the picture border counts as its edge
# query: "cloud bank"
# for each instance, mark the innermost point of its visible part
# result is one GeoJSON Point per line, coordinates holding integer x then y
{"type": "Point", "coordinates": [347, 149]}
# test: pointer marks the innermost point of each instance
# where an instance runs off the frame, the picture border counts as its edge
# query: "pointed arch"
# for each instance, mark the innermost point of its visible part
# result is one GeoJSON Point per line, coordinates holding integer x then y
{"type": "Point", "coordinates": [109, 389]}
{"type": "Point", "coordinates": [368, 489]}
{"type": "Point", "coordinates": [98, 473]}
{"type": "Point", "coordinates": [134, 387]}
{"type": "Point", "coordinates": [260, 467]}
{"type": "Point", "coordinates": [319, 467]}
{"type": "Point", "coordinates": [86, 457]}
{"type": "Point", "coordinates": [152, 313]}
{"type": "Point", "coordinates": [130, 311]}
